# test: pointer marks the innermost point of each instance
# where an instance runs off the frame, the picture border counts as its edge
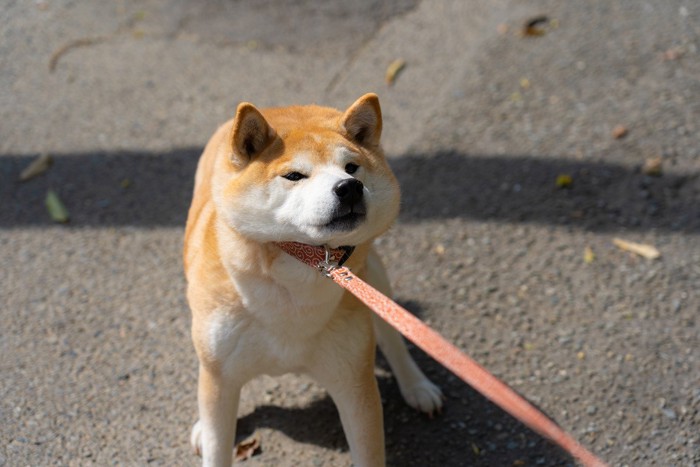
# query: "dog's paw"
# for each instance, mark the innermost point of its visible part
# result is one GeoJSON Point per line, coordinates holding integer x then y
{"type": "Point", "coordinates": [423, 395]}
{"type": "Point", "coordinates": [196, 438]}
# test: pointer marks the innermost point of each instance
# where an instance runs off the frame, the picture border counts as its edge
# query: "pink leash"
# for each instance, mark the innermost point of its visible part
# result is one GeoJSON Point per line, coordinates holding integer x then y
{"type": "Point", "coordinates": [329, 262]}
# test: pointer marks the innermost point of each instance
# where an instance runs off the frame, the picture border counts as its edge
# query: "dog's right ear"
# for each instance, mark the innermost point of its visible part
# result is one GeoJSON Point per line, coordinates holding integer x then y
{"type": "Point", "coordinates": [250, 135]}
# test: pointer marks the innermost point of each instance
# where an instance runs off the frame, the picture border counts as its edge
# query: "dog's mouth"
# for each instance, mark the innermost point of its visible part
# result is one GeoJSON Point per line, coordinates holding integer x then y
{"type": "Point", "coordinates": [348, 218]}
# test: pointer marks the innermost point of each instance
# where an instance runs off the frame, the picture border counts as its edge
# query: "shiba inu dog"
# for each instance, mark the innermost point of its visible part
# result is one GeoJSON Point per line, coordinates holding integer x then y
{"type": "Point", "coordinates": [305, 174]}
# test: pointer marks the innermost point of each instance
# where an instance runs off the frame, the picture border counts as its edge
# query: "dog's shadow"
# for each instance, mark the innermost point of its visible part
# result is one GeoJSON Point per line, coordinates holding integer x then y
{"type": "Point", "coordinates": [469, 431]}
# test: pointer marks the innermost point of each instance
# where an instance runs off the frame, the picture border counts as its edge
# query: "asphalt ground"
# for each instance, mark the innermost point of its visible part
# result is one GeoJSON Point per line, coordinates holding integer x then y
{"type": "Point", "coordinates": [96, 364]}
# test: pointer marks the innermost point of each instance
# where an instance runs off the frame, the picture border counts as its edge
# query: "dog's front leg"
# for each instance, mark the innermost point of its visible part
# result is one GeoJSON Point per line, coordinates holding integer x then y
{"type": "Point", "coordinates": [214, 434]}
{"type": "Point", "coordinates": [360, 409]}
{"type": "Point", "coordinates": [417, 390]}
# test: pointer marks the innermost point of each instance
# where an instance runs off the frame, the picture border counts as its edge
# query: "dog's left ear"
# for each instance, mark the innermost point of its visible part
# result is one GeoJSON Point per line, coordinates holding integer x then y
{"type": "Point", "coordinates": [362, 122]}
{"type": "Point", "coordinates": [250, 135]}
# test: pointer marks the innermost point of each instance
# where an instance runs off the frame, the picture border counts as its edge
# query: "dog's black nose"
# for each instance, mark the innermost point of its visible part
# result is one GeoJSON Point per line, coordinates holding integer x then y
{"type": "Point", "coordinates": [348, 191]}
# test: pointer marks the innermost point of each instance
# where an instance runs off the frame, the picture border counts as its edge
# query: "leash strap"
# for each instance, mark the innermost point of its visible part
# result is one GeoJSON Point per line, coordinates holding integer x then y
{"type": "Point", "coordinates": [441, 350]}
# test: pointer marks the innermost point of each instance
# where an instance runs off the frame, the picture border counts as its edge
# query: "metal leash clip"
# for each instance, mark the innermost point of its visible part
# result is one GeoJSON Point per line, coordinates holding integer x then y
{"type": "Point", "coordinates": [327, 266]}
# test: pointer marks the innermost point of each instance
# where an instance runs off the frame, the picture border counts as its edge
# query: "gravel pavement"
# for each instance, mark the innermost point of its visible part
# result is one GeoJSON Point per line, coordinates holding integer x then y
{"type": "Point", "coordinates": [514, 183]}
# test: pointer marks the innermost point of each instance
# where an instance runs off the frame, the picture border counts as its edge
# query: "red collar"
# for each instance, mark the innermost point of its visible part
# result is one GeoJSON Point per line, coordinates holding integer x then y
{"type": "Point", "coordinates": [317, 255]}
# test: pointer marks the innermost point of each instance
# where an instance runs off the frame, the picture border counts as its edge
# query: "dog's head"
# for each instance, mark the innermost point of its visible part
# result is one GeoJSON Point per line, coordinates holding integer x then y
{"type": "Point", "coordinates": [307, 174]}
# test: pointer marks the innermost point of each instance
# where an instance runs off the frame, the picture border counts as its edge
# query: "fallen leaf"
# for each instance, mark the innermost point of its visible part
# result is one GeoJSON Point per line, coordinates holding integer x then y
{"type": "Point", "coordinates": [673, 53]}
{"type": "Point", "coordinates": [392, 72]}
{"type": "Point", "coordinates": [564, 181]}
{"type": "Point", "coordinates": [581, 355]}
{"type": "Point", "coordinates": [139, 16]}
{"type": "Point", "coordinates": [439, 249]}
{"type": "Point", "coordinates": [57, 210]}
{"type": "Point", "coordinates": [476, 449]}
{"type": "Point", "coordinates": [653, 167]}
{"type": "Point", "coordinates": [534, 26]}
{"type": "Point", "coordinates": [516, 97]}
{"type": "Point", "coordinates": [524, 83]}
{"type": "Point", "coordinates": [620, 131]}
{"type": "Point", "coordinates": [641, 249]}
{"type": "Point", "coordinates": [37, 167]}
{"type": "Point", "coordinates": [247, 448]}
{"type": "Point", "coordinates": [588, 255]}
{"type": "Point", "coordinates": [84, 42]}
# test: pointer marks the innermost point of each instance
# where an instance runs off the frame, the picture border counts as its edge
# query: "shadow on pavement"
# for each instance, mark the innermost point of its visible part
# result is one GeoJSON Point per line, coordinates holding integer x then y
{"type": "Point", "coordinates": [102, 189]}
{"type": "Point", "coordinates": [470, 431]}
{"type": "Point", "coordinates": [523, 189]}
{"type": "Point", "coordinates": [154, 189]}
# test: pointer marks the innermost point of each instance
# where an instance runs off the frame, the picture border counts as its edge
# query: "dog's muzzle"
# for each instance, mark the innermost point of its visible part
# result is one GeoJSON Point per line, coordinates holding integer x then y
{"type": "Point", "coordinates": [350, 209]}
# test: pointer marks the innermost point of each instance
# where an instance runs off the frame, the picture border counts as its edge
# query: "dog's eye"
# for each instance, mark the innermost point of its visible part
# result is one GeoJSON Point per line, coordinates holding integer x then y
{"type": "Point", "coordinates": [294, 176]}
{"type": "Point", "coordinates": [351, 168]}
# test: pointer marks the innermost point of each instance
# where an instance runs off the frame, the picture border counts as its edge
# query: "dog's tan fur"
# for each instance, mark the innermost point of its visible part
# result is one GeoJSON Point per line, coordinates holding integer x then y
{"type": "Point", "coordinates": [257, 310]}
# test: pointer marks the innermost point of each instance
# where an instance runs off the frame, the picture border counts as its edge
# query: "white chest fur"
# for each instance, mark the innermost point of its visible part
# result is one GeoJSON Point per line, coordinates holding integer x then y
{"type": "Point", "coordinates": [287, 311]}
{"type": "Point", "coordinates": [295, 298]}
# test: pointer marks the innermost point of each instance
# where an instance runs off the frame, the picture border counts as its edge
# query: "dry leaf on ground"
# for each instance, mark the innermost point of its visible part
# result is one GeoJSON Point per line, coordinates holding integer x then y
{"type": "Point", "coordinates": [534, 26]}
{"type": "Point", "coordinates": [588, 255]}
{"type": "Point", "coordinates": [564, 181]}
{"type": "Point", "coordinates": [674, 53]}
{"type": "Point", "coordinates": [392, 72]}
{"type": "Point", "coordinates": [653, 167]}
{"type": "Point", "coordinates": [620, 131]}
{"type": "Point", "coordinates": [57, 210]}
{"type": "Point", "coordinates": [247, 448]}
{"type": "Point", "coordinates": [641, 249]}
{"type": "Point", "coordinates": [61, 51]}
{"type": "Point", "coordinates": [37, 167]}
